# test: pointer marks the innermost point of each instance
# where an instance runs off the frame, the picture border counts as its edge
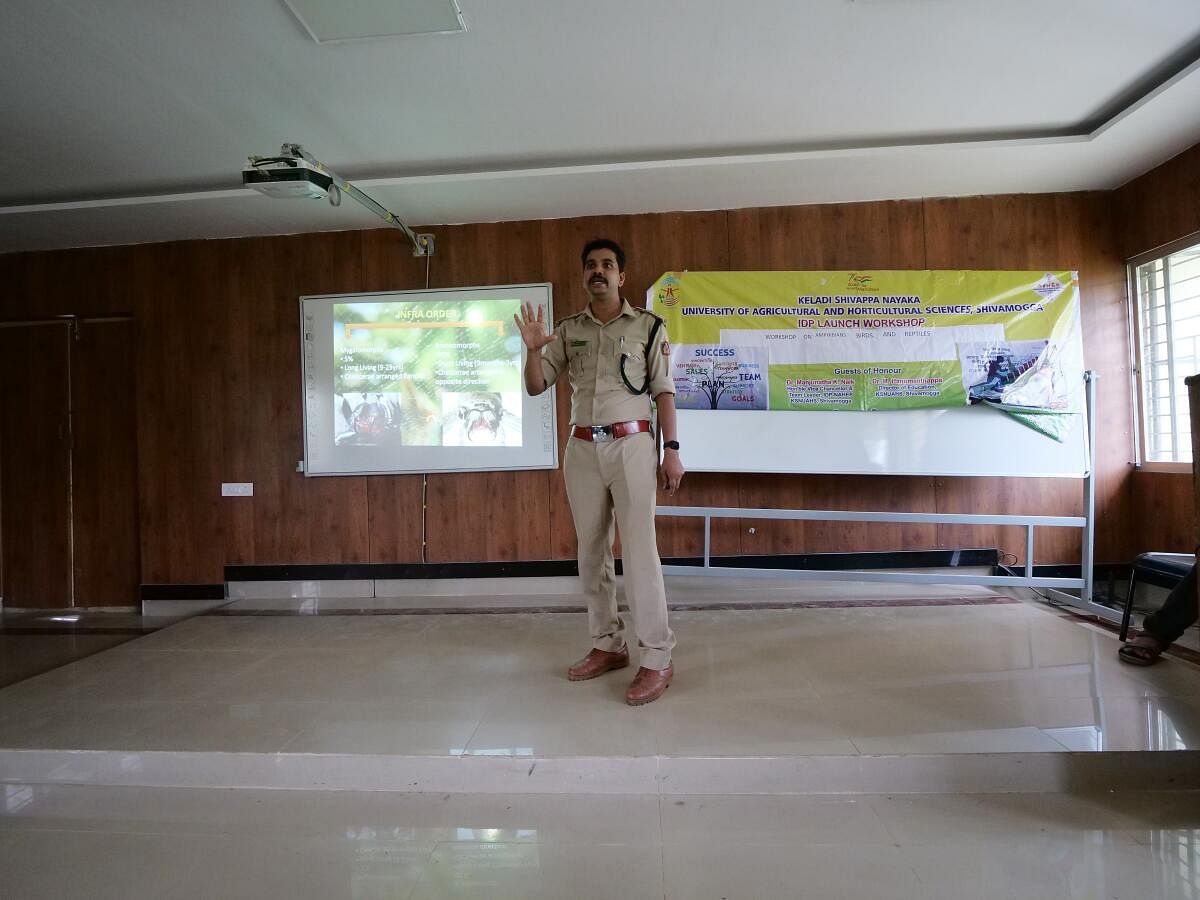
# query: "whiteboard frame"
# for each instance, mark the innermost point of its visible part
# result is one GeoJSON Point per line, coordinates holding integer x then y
{"type": "Point", "coordinates": [892, 442]}
{"type": "Point", "coordinates": [544, 407]}
{"type": "Point", "coordinates": [1057, 589]}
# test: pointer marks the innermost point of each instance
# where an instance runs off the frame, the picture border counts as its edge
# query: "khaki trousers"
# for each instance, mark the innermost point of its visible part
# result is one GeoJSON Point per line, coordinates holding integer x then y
{"type": "Point", "coordinates": [619, 477]}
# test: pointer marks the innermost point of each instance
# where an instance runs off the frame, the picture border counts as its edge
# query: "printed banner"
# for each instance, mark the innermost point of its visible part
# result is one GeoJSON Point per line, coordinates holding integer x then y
{"type": "Point", "coordinates": [874, 340]}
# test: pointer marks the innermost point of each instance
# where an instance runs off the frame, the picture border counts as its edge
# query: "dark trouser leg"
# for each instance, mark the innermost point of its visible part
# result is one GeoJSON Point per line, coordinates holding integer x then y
{"type": "Point", "coordinates": [1177, 613]}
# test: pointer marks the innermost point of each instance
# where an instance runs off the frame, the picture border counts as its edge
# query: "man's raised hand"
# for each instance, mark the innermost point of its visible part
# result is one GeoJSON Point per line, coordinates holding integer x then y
{"type": "Point", "coordinates": [533, 326]}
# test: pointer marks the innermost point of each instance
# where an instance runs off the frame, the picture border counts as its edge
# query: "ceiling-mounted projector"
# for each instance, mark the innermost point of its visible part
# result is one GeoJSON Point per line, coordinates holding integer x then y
{"type": "Point", "coordinates": [297, 173]}
{"type": "Point", "coordinates": [286, 176]}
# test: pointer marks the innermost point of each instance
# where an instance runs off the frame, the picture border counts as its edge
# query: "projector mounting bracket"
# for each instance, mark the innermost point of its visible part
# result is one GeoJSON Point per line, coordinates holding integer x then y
{"type": "Point", "coordinates": [423, 244]}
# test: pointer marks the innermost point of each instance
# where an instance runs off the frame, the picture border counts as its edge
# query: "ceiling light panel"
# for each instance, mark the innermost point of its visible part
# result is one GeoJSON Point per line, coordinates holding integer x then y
{"type": "Point", "coordinates": [352, 20]}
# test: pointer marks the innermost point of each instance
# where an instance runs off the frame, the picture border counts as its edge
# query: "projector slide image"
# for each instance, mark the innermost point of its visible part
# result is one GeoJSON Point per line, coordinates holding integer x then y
{"type": "Point", "coordinates": [424, 381]}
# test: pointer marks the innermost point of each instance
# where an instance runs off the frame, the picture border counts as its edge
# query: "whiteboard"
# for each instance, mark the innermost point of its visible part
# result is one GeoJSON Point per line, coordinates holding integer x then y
{"type": "Point", "coordinates": [422, 381]}
{"type": "Point", "coordinates": [972, 440]}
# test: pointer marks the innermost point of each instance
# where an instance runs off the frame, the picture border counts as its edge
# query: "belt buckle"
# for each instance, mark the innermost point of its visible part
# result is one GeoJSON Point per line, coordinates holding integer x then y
{"type": "Point", "coordinates": [601, 434]}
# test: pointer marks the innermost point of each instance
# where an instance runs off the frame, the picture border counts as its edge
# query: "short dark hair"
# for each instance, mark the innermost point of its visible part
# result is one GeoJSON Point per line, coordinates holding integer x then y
{"type": "Point", "coordinates": [604, 244]}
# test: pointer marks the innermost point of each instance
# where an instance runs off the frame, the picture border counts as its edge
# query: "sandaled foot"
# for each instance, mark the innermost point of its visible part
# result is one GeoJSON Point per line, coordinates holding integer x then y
{"type": "Point", "coordinates": [1143, 650]}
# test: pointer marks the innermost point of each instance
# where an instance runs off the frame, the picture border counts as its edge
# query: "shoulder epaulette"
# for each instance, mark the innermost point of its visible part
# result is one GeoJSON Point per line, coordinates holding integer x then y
{"type": "Point", "coordinates": [569, 318]}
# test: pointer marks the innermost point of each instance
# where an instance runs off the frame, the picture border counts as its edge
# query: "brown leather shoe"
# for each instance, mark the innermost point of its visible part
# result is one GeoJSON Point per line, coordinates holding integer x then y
{"type": "Point", "coordinates": [597, 663]}
{"type": "Point", "coordinates": [648, 685]}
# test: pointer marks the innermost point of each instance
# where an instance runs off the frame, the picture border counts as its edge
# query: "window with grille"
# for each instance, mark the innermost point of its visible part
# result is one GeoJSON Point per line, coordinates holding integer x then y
{"type": "Point", "coordinates": [1168, 340]}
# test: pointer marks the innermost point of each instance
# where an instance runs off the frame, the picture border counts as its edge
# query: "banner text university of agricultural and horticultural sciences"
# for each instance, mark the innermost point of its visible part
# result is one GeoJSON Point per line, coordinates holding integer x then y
{"type": "Point", "coordinates": [876, 341]}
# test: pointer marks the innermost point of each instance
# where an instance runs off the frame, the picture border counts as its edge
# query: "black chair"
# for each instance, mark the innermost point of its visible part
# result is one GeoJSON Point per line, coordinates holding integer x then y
{"type": "Point", "coordinates": [1163, 570]}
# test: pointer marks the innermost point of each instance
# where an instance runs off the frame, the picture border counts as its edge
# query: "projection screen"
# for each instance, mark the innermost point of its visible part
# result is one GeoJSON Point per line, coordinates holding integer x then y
{"type": "Point", "coordinates": [422, 381]}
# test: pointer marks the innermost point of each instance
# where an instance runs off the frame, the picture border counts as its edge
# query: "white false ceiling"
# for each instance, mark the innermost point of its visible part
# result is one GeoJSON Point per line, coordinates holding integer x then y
{"type": "Point", "coordinates": [131, 121]}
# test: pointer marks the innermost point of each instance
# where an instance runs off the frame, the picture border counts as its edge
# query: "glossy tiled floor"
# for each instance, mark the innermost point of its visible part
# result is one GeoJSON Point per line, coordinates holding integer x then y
{"type": "Point", "coordinates": [103, 842]}
{"type": "Point", "coordinates": [32, 642]}
{"type": "Point", "coordinates": [796, 706]}
{"type": "Point", "coordinates": [1012, 678]}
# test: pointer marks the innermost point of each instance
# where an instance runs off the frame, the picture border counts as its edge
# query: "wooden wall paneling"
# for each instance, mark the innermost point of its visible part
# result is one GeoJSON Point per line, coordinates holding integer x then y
{"type": "Point", "coordinates": [35, 474]}
{"type": "Point", "coordinates": [388, 263]}
{"type": "Point", "coordinates": [314, 520]}
{"type": "Point", "coordinates": [1008, 232]}
{"type": "Point", "coordinates": [1104, 312]}
{"type": "Point", "coordinates": [149, 289]}
{"type": "Point", "coordinates": [55, 276]}
{"type": "Point", "coordinates": [1160, 206]}
{"type": "Point", "coordinates": [246, 294]}
{"type": "Point", "coordinates": [23, 297]}
{"type": "Point", "coordinates": [195, 411]}
{"type": "Point", "coordinates": [684, 537]}
{"type": "Point", "coordinates": [516, 524]}
{"type": "Point", "coordinates": [867, 493]}
{"type": "Point", "coordinates": [181, 354]}
{"type": "Point", "coordinates": [1013, 496]}
{"type": "Point", "coordinates": [487, 516]}
{"type": "Point", "coordinates": [666, 242]}
{"type": "Point", "coordinates": [91, 282]}
{"type": "Point", "coordinates": [14, 269]}
{"type": "Point", "coordinates": [885, 234]}
{"type": "Point", "coordinates": [1034, 232]}
{"type": "Point", "coordinates": [104, 465]}
{"type": "Point", "coordinates": [110, 285]}
{"type": "Point", "coordinates": [394, 518]}
{"type": "Point", "coordinates": [1165, 512]}
{"type": "Point", "coordinates": [393, 501]}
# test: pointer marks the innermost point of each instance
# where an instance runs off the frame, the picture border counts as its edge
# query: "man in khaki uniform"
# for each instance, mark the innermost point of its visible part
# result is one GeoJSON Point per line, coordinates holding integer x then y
{"type": "Point", "coordinates": [617, 358]}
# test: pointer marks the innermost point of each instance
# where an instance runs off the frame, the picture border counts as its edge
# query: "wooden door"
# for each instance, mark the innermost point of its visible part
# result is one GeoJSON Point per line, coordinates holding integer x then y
{"type": "Point", "coordinates": [104, 487]}
{"type": "Point", "coordinates": [35, 466]}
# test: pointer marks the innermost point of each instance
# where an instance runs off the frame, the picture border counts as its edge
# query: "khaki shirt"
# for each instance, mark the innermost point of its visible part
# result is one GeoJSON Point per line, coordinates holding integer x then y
{"type": "Point", "coordinates": [591, 355]}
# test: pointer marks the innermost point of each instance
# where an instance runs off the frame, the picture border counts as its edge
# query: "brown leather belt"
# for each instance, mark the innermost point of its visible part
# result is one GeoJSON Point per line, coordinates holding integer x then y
{"type": "Point", "coordinates": [602, 434]}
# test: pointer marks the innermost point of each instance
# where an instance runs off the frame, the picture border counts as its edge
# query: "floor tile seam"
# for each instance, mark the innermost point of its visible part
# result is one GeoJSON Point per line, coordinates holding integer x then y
{"type": "Point", "coordinates": [857, 749]}
{"type": "Point", "coordinates": [123, 832]}
{"type": "Point", "coordinates": [287, 742]}
{"type": "Point", "coordinates": [188, 650]}
{"type": "Point", "coordinates": [800, 604]}
{"type": "Point", "coordinates": [662, 836]}
{"type": "Point", "coordinates": [1065, 748]}
{"type": "Point", "coordinates": [556, 842]}
{"type": "Point", "coordinates": [782, 842]}
{"type": "Point", "coordinates": [1013, 837]}
{"type": "Point", "coordinates": [466, 747]}
{"type": "Point", "coordinates": [661, 760]}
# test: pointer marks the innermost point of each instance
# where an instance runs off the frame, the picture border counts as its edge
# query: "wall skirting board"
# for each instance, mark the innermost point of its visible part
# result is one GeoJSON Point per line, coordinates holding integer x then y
{"type": "Point", "coordinates": [556, 576]}
{"type": "Point", "coordinates": [906, 559]}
